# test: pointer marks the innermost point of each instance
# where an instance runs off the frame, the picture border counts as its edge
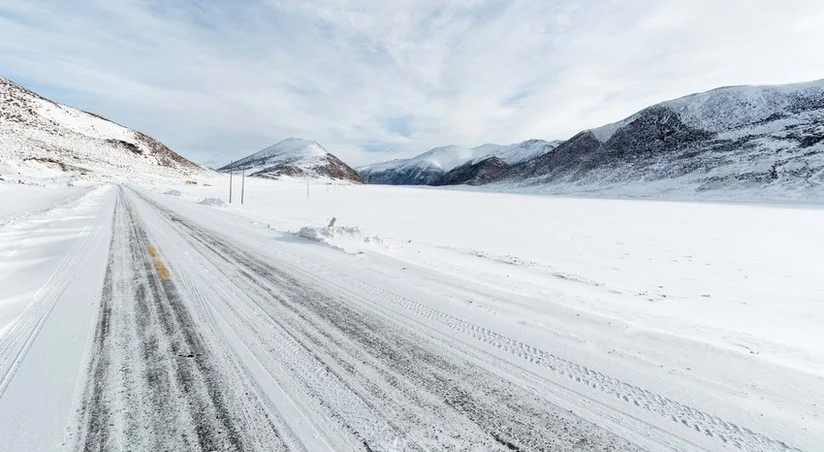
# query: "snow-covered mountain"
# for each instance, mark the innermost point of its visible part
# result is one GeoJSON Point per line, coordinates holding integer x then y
{"type": "Point", "coordinates": [764, 138]}
{"type": "Point", "coordinates": [41, 139]}
{"type": "Point", "coordinates": [430, 167]}
{"type": "Point", "coordinates": [297, 158]}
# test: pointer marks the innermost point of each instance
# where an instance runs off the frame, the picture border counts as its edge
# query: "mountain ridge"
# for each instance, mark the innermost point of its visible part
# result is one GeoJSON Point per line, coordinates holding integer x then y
{"type": "Point", "coordinates": [294, 157]}
{"type": "Point", "coordinates": [430, 167]}
{"type": "Point", "coordinates": [40, 138]}
{"type": "Point", "coordinates": [745, 137]}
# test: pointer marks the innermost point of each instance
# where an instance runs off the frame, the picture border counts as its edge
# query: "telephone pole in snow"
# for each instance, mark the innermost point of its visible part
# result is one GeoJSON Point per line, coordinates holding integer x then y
{"type": "Point", "coordinates": [230, 186]}
{"type": "Point", "coordinates": [242, 185]}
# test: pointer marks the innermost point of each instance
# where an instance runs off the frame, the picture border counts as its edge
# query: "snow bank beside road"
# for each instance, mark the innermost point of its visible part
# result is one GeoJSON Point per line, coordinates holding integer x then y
{"type": "Point", "coordinates": [19, 199]}
{"type": "Point", "coordinates": [212, 202]}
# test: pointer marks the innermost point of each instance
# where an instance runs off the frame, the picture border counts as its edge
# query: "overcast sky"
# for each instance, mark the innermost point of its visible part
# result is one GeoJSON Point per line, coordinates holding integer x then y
{"type": "Point", "coordinates": [373, 80]}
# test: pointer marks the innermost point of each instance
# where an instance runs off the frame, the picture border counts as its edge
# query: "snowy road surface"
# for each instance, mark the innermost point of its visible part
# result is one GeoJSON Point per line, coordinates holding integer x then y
{"type": "Point", "coordinates": [155, 325]}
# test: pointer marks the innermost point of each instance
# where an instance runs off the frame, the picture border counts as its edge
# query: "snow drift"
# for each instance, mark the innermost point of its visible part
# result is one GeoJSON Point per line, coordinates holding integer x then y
{"type": "Point", "coordinates": [347, 238]}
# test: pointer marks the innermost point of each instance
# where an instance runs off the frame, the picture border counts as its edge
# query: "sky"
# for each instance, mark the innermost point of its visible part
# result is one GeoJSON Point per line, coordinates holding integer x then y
{"type": "Point", "coordinates": [374, 80]}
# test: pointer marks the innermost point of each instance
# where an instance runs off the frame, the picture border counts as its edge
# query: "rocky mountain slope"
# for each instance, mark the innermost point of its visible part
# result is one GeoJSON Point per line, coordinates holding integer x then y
{"type": "Point", "coordinates": [764, 138]}
{"type": "Point", "coordinates": [41, 139]}
{"type": "Point", "coordinates": [430, 167]}
{"type": "Point", "coordinates": [296, 158]}
{"type": "Point", "coordinates": [747, 137]}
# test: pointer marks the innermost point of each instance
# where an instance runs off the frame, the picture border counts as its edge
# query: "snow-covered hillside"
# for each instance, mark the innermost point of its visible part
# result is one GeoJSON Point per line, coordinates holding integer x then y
{"type": "Point", "coordinates": [763, 139]}
{"type": "Point", "coordinates": [44, 140]}
{"type": "Point", "coordinates": [430, 167]}
{"type": "Point", "coordinates": [294, 157]}
{"type": "Point", "coordinates": [766, 141]}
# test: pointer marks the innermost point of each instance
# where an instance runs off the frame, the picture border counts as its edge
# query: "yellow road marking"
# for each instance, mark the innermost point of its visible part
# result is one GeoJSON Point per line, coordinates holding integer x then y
{"type": "Point", "coordinates": [160, 267]}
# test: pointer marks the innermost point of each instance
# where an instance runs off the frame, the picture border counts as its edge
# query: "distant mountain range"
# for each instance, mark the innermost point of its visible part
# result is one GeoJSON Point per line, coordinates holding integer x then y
{"type": "Point", "coordinates": [433, 167]}
{"type": "Point", "coordinates": [294, 157]}
{"type": "Point", "coordinates": [733, 138]}
{"type": "Point", "coordinates": [744, 137]}
{"type": "Point", "coordinates": [46, 140]}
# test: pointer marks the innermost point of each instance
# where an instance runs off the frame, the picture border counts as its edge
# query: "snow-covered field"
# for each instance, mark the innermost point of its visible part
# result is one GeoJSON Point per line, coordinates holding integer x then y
{"type": "Point", "coordinates": [670, 325]}
{"type": "Point", "coordinates": [18, 199]}
{"type": "Point", "coordinates": [715, 304]}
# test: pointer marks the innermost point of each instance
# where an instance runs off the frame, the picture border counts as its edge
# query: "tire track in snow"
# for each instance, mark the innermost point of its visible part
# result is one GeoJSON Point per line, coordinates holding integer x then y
{"type": "Point", "coordinates": [154, 381]}
{"type": "Point", "coordinates": [712, 426]}
{"type": "Point", "coordinates": [411, 388]}
{"type": "Point", "coordinates": [726, 434]}
{"type": "Point", "coordinates": [66, 201]}
{"type": "Point", "coordinates": [18, 339]}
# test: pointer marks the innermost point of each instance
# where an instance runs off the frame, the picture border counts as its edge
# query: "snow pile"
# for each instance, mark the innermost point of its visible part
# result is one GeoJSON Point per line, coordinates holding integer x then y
{"type": "Point", "coordinates": [172, 193]}
{"type": "Point", "coordinates": [213, 202]}
{"type": "Point", "coordinates": [346, 238]}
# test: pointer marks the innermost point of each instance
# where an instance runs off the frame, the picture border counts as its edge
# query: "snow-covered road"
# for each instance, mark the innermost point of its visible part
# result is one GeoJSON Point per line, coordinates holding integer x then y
{"type": "Point", "coordinates": [170, 326]}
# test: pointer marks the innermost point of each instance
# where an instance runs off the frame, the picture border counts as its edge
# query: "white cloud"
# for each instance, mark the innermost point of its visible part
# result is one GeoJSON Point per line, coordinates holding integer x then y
{"type": "Point", "coordinates": [374, 80]}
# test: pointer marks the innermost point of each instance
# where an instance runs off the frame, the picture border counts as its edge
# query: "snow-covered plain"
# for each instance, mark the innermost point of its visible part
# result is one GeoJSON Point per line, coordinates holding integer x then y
{"type": "Point", "coordinates": [715, 304]}
{"type": "Point", "coordinates": [674, 325]}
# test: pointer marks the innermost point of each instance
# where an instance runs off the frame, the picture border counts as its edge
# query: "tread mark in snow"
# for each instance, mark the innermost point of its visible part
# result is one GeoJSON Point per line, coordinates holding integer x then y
{"type": "Point", "coordinates": [374, 372]}
{"type": "Point", "coordinates": [727, 433]}
{"type": "Point", "coordinates": [154, 382]}
{"type": "Point", "coordinates": [22, 333]}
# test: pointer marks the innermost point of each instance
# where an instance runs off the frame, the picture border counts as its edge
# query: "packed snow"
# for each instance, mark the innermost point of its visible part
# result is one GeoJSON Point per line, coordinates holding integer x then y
{"type": "Point", "coordinates": [212, 202]}
{"type": "Point", "coordinates": [346, 238]}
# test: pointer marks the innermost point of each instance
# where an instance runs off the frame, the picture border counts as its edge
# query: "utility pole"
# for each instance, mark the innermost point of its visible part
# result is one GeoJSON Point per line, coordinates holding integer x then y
{"type": "Point", "coordinates": [230, 186]}
{"type": "Point", "coordinates": [307, 186]}
{"type": "Point", "coordinates": [242, 185]}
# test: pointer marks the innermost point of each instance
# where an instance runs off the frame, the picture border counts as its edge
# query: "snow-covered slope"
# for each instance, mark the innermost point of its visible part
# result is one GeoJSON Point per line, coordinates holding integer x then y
{"type": "Point", "coordinates": [769, 139]}
{"type": "Point", "coordinates": [294, 157]}
{"type": "Point", "coordinates": [41, 139]}
{"type": "Point", "coordinates": [430, 167]}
